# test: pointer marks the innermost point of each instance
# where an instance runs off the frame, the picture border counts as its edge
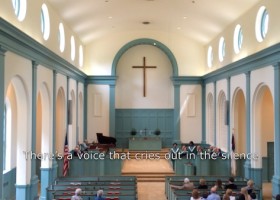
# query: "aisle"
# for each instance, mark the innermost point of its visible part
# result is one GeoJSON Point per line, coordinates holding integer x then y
{"type": "Point", "coordinates": [150, 176]}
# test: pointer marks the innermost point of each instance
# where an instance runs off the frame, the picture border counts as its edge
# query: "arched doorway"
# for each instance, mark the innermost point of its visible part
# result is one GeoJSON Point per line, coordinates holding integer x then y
{"type": "Point", "coordinates": [262, 139]}
{"type": "Point", "coordinates": [210, 119]}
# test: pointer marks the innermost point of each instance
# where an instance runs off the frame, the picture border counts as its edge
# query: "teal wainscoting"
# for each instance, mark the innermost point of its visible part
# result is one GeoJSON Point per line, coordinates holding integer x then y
{"type": "Point", "coordinates": [9, 181]}
{"type": "Point", "coordinates": [240, 171]}
{"type": "Point", "coordinates": [92, 166]}
{"type": "Point", "coordinates": [145, 121]}
{"type": "Point", "coordinates": [203, 167]}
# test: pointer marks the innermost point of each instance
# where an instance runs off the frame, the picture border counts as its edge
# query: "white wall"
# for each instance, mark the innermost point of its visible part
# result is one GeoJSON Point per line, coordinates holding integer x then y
{"type": "Point", "coordinates": [259, 77]}
{"type": "Point", "coordinates": [61, 82]}
{"type": "Point", "coordinates": [20, 70]}
{"type": "Point", "coordinates": [250, 43]}
{"type": "Point", "coordinates": [97, 111]}
{"type": "Point", "coordinates": [99, 54]}
{"type": "Point", "coordinates": [45, 87]}
{"type": "Point", "coordinates": [129, 85]}
{"type": "Point", "coordinates": [209, 89]}
{"type": "Point", "coordinates": [31, 25]}
{"type": "Point", "coordinates": [190, 114]}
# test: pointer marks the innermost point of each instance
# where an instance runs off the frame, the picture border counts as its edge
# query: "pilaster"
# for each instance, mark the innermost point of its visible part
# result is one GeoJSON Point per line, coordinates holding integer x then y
{"type": "Point", "coordinates": [176, 119]}
{"type": "Point", "coordinates": [2, 107]}
{"type": "Point", "coordinates": [247, 165]}
{"type": "Point", "coordinates": [203, 141]}
{"type": "Point", "coordinates": [276, 176]}
{"type": "Point", "coordinates": [34, 177]}
{"type": "Point", "coordinates": [112, 117]}
{"type": "Point", "coordinates": [54, 163]}
{"type": "Point", "coordinates": [215, 113]}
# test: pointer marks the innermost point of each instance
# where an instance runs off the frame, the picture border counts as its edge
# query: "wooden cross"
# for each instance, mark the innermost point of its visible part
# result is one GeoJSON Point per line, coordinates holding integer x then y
{"type": "Point", "coordinates": [144, 67]}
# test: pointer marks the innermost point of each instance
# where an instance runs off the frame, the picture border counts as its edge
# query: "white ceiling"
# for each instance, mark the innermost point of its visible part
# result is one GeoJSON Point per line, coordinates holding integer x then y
{"type": "Point", "coordinates": [200, 20]}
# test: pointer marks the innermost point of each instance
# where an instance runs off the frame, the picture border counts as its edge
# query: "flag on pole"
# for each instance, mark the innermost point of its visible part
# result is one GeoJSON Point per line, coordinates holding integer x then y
{"type": "Point", "coordinates": [233, 161]}
{"type": "Point", "coordinates": [65, 157]}
{"type": "Point", "coordinates": [232, 142]}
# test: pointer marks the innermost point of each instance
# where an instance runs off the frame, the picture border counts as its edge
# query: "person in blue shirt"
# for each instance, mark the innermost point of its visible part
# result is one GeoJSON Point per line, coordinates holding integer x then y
{"type": "Point", "coordinates": [99, 195]}
{"type": "Point", "coordinates": [213, 195]}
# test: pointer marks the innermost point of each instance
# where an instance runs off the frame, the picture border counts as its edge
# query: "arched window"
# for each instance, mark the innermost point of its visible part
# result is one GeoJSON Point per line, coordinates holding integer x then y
{"type": "Point", "coordinates": [261, 26]}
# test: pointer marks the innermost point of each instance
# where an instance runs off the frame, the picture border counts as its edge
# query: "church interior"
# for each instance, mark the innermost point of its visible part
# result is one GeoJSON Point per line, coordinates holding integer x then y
{"type": "Point", "coordinates": [122, 86]}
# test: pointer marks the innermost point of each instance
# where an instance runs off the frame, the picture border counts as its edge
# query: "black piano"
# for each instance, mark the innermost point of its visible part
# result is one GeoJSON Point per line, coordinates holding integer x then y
{"type": "Point", "coordinates": [105, 139]}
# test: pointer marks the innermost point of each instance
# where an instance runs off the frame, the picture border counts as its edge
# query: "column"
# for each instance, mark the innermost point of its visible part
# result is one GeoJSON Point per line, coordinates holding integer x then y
{"type": "Point", "coordinates": [176, 114]}
{"type": "Point", "coordinates": [203, 101]}
{"type": "Point", "coordinates": [34, 178]}
{"type": "Point", "coordinates": [2, 107]}
{"type": "Point", "coordinates": [228, 114]}
{"type": "Point", "coordinates": [215, 113]}
{"type": "Point", "coordinates": [77, 112]}
{"type": "Point", "coordinates": [247, 165]}
{"type": "Point", "coordinates": [276, 176]}
{"type": "Point", "coordinates": [85, 109]}
{"type": "Point", "coordinates": [112, 110]}
{"type": "Point", "coordinates": [54, 163]}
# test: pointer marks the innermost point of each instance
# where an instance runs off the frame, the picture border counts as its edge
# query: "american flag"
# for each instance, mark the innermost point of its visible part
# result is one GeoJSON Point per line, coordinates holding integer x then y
{"type": "Point", "coordinates": [65, 159]}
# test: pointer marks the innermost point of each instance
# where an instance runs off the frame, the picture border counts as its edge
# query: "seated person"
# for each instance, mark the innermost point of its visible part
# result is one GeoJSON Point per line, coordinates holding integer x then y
{"type": "Point", "coordinates": [195, 195]}
{"type": "Point", "coordinates": [99, 195]}
{"type": "Point", "coordinates": [250, 186]}
{"type": "Point", "coordinates": [217, 152]}
{"type": "Point", "coordinates": [76, 151]}
{"type": "Point", "coordinates": [226, 197]}
{"type": "Point", "coordinates": [254, 196]}
{"type": "Point", "coordinates": [229, 194]}
{"type": "Point", "coordinates": [192, 148]}
{"type": "Point", "coordinates": [199, 150]}
{"type": "Point", "coordinates": [202, 184]}
{"type": "Point", "coordinates": [77, 195]}
{"type": "Point", "coordinates": [231, 184]}
{"type": "Point", "coordinates": [219, 184]}
{"type": "Point", "coordinates": [211, 149]}
{"type": "Point", "coordinates": [186, 186]}
{"type": "Point", "coordinates": [83, 146]}
{"type": "Point", "coordinates": [213, 195]}
{"type": "Point", "coordinates": [243, 194]}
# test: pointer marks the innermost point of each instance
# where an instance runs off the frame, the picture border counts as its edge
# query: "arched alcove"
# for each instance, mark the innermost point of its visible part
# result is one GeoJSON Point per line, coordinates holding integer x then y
{"type": "Point", "coordinates": [262, 124]}
{"type": "Point", "coordinates": [39, 121]}
{"type": "Point", "coordinates": [46, 125]}
{"type": "Point", "coordinates": [10, 128]}
{"type": "Point", "coordinates": [210, 119]}
{"type": "Point", "coordinates": [22, 130]}
{"type": "Point", "coordinates": [72, 127]}
{"type": "Point", "coordinates": [81, 117]}
{"type": "Point", "coordinates": [239, 120]}
{"type": "Point", "coordinates": [221, 137]}
{"type": "Point", "coordinates": [60, 120]}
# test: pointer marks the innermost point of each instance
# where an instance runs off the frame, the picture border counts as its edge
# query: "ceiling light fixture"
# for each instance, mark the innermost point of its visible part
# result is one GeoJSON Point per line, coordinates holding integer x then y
{"type": "Point", "coordinates": [146, 22]}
